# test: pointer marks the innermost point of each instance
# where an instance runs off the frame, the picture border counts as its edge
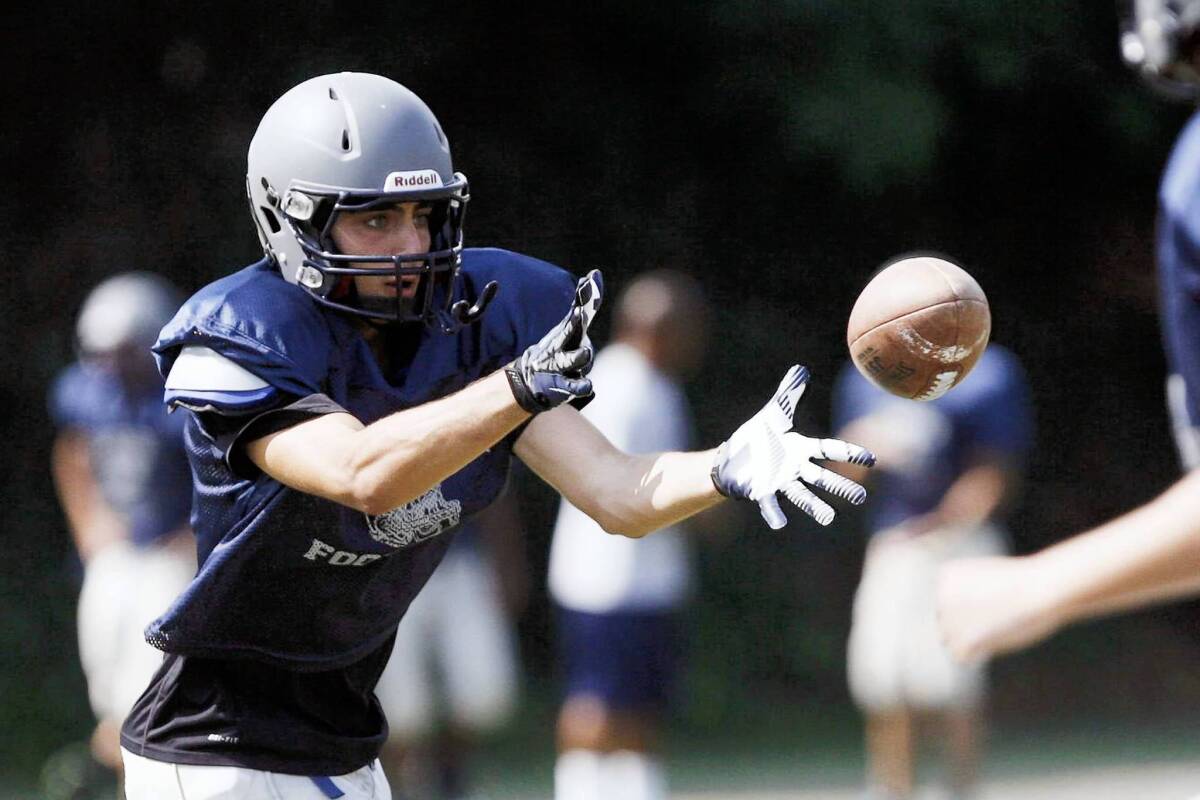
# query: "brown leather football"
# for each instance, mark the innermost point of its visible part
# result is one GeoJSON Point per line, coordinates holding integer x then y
{"type": "Point", "coordinates": [918, 327]}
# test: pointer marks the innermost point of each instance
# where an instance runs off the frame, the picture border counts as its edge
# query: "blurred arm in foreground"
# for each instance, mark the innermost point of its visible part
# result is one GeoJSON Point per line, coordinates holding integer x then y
{"type": "Point", "coordinates": [1149, 555]}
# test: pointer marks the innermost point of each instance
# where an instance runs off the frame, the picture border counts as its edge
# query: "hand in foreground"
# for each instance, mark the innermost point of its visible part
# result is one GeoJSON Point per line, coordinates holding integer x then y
{"type": "Point", "coordinates": [765, 457]}
{"type": "Point", "coordinates": [554, 370]}
{"type": "Point", "coordinates": [991, 605]}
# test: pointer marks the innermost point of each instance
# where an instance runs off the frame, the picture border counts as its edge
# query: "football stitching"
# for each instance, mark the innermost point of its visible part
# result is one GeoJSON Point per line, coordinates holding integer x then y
{"type": "Point", "coordinates": [858, 338]}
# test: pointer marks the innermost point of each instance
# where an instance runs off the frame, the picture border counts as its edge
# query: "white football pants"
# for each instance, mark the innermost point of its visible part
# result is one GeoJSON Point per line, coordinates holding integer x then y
{"type": "Point", "coordinates": [146, 779]}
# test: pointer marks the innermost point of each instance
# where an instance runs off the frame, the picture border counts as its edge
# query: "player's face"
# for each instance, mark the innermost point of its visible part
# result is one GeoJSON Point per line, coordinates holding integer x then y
{"type": "Point", "coordinates": [391, 230]}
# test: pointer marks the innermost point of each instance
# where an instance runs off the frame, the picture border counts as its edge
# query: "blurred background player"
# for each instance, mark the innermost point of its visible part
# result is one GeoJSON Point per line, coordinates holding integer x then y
{"type": "Point", "coordinates": [618, 600]}
{"type": "Point", "coordinates": [453, 675]}
{"type": "Point", "coordinates": [1152, 553]}
{"type": "Point", "coordinates": [946, 471]}
{"type": "Point", "coordinates": [122, 479]}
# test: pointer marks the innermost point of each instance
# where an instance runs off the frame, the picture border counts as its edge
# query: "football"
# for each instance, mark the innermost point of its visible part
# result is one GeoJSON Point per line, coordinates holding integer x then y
{"type": "Point", "coordinates": [918, 327]}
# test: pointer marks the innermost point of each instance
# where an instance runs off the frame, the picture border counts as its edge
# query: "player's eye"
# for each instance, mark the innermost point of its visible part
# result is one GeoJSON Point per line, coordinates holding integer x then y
{"type": "Point", "coordinates": [422, 215]}
{"type": "Point", "coordinates": [377, 222]}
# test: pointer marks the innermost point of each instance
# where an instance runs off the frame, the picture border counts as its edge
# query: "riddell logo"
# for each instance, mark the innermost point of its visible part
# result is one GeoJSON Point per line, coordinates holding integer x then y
{"type": "Point", "coordinates": [415, 179]}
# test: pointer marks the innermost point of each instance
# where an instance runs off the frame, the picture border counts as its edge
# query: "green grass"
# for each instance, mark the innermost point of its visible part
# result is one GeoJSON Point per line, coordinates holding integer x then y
{"type": "Point", "coordinates": [787, 745]}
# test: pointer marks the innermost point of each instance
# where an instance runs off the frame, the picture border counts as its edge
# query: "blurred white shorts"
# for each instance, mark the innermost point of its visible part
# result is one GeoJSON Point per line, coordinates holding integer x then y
{"type": "Point", "coordinates": [124, 589]}
{"type": "Point", "coordinates": [146, 779]}
{"type": "Point", "coordinates": [895, 656]}
{"type": "Point", "coordinates": [455, 654]}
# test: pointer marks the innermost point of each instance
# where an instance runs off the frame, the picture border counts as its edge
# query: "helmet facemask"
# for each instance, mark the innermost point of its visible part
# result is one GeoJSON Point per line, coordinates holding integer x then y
{"type": "Point", "coordinates": [328, 274]}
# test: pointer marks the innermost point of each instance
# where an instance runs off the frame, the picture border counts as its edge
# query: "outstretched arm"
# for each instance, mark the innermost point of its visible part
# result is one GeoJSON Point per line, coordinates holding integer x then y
{"type": "Point", "coordinates": [378, 467]}
{"type": "Point", "coordinates": [1152, 554]}
{"type": "Point", "coordinates": [636, 494]}
{"type": "Point", "coordinates": [381, 466]}
{"type": "Point", "coordinates": [631, 495]}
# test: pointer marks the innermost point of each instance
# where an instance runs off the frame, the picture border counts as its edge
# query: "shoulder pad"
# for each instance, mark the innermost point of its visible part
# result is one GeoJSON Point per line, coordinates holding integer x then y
{"type": "Point", "coordinates": [203, 379]}
{"type": "Point", "coordinates": [261, 323]}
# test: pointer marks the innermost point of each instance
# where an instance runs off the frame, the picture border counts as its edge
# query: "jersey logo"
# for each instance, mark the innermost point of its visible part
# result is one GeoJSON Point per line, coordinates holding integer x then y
{"type": "Point", "coordinates": [416, 520]}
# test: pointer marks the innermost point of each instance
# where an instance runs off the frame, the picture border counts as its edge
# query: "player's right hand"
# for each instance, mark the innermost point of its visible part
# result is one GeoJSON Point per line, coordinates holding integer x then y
{"type": "Point", "coordinates": [554, 370]}
{"type": "Point", "coordinates": [765, 457]}
{"type": "Point", "coordinates": [992, 605]}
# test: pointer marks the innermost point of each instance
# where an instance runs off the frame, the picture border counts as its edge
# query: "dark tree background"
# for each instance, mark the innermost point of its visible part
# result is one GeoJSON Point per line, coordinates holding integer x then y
{"type": "Point", "coordinates": [779, 151]}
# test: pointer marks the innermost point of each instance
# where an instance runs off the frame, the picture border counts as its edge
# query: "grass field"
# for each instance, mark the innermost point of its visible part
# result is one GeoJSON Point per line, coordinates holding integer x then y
{"type": "Point", "coordinates": [822, 758]}
{"type": "Point", "coordinates": [797, 756]}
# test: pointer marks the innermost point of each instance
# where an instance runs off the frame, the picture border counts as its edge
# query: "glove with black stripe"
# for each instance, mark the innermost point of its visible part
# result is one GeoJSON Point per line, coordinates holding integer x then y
{"type": "Point", "coordinates": [765, 457]}
{"type": "Point", "coordinates": [554, 370]}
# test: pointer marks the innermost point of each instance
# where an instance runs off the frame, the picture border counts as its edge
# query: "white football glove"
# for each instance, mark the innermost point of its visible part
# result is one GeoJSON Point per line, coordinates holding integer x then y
{"type": "Point", "coordinates": [765, 457]}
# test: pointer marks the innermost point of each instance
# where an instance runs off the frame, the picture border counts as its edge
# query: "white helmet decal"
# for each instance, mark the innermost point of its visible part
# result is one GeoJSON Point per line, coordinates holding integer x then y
{"type": "Point", "coordinates": [412, 179]}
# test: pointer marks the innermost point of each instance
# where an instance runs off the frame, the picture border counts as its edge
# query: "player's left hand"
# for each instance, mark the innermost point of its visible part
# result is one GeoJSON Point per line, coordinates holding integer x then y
{"type": "Point", "coordinates": [765, 457]}
{"type": "Point", "coordinates": [554, 370]}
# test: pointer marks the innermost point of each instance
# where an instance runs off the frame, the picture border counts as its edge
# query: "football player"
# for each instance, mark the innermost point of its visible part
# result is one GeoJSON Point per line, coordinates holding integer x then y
{"type": "Point", "coordinates": [1150, 554]}
{"type": "Point", "coordinates": [351, 399]}
{"type": "Point", "coordinates": [122, 479]}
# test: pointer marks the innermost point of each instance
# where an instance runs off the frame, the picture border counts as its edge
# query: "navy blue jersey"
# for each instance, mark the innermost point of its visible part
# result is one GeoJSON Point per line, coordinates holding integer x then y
{"type": "Point", "coordinates": [989, 414]}
{"type": "Point", "coordinates": [1178, 253]}
{"type": "Point", "coordinates": [306, 592]}
{"type": "Point", "coordinates": [135, 448]}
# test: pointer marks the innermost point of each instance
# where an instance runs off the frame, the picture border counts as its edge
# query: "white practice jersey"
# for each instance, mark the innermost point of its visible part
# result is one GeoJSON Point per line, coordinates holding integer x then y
{"type": "Point", "coordinates": [640, 410]}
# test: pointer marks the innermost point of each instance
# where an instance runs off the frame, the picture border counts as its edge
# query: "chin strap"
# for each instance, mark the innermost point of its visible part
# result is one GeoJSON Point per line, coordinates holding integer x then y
{"type": "Point", "coordinates": [462, 313]}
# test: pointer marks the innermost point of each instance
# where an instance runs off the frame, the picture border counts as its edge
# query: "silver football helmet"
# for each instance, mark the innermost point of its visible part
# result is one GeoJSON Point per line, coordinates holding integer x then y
{"type": "Point", "coordinates": [1159, 39]}
{"type": "Point", "coordinates": [351, 142]}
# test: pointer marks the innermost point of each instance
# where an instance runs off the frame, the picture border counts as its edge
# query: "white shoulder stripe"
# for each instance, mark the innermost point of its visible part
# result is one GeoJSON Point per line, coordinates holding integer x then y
{"type": "Point", "coordinates": [202, 369]}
